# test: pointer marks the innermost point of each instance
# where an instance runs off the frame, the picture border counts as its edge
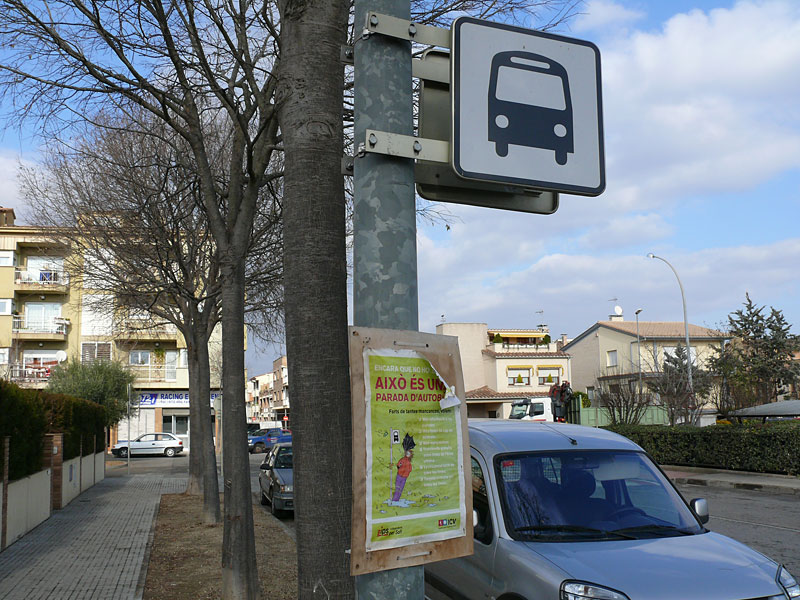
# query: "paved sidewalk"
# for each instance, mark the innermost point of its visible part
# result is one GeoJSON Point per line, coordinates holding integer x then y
{"type": "Point", "coordinates": [94, 548]}
{"type": "Point", "coordinates": [773, 484]}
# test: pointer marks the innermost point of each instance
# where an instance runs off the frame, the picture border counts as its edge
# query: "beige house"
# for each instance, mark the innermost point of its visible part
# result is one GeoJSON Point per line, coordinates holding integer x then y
{"type": "Point", "coordinates": [48, 317]}
{"type": "Point", "coordinates": [611, 351]}
{"type": "Point", "coordinates": [268, 395]}
{"type": "Point", "coordinates": [503, 365]}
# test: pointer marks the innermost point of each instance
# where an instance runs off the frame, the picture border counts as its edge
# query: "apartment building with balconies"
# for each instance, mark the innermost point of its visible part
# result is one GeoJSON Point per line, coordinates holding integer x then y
{"type": "Point", "coordinates": [268, 395]}
{"type": "Point", "coordinates": [48, 316]}
{"type": "Point", "coordinates": [504, 365]}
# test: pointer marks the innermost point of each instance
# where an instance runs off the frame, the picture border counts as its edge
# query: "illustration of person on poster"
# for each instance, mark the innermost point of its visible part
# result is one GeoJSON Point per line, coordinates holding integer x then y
{"type": "Point", "coordinates": [403, 469]}
{"type": "Point", "coordinates": [414, 494]}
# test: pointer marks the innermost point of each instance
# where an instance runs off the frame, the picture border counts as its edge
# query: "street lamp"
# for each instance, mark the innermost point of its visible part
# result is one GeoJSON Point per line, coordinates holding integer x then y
{"type": "Point", "coordinates": [685, 324]}
{"type": "Point", "coordinates": [639, 351]}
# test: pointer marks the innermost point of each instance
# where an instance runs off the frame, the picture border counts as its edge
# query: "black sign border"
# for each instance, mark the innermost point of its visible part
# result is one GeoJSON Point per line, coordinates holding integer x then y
{"type": "Point", "coordinates": [456, 120]}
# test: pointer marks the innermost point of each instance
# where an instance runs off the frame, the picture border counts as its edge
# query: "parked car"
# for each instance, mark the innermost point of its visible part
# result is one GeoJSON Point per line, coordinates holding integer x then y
{"type": "Point", "coordinates": [276, 479]}
{"type": "Point", "coordinates": [566, 512]}
{"type": "Point", "coordinates": [149, 443]}
{"type": "Point", "coordinates": [263, 439]}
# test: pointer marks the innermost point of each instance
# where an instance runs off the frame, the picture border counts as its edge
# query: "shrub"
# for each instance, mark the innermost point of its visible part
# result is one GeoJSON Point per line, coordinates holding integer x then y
{"type": "Point", "coordinates": [26, 415]}
{"type": "Point", "coordinates": [22, 418]}
{"type": "Point", "coordinates": [767, 448]}
{"type": "Point", "coordinates": [497, 339]}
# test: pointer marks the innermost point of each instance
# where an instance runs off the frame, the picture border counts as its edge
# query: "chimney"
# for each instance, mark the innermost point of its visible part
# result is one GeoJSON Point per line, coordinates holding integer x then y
{"type": "Point", "coordinates": [7, 217]}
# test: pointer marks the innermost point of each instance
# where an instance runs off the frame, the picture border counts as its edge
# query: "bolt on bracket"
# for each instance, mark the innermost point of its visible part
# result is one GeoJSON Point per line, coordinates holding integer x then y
{"type": "Point", "coordinates": [407, 30]}
{"type": "Point", "coordinates": [406, 146]}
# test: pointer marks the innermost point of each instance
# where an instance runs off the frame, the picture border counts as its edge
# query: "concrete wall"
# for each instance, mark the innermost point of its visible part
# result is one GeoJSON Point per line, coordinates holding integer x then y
{"type": "Point", "coordinates": [100, 466]}
{"type": "Point", "coordinates": [87, 472]}
{"type": "Point", "coordinates": [71, 481]}
{"type": "Point", "coordinates": [472, 339]}
{"type": "Point", "coordinates": [28, 504]}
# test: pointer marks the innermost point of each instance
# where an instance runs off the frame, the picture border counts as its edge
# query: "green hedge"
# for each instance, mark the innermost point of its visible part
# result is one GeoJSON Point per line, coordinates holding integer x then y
{"type": "Point", "coordinates": [26, 415]}
{"type": "Point", "coordinates": [81, 421]}
{"type": "Point", "coordinates": [762, 448]}
{"type": "Point", "coordinates": [23, 419]}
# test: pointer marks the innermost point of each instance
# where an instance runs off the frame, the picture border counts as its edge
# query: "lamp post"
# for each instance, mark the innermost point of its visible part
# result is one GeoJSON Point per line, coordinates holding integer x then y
{"type": "Point", "coordinates": [685, 324]}
{"type": "Point", "coordinates": [639, 352]}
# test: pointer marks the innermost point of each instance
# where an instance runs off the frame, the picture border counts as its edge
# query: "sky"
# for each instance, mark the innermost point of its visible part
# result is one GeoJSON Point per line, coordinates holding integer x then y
{"type": "Point", "coordinates": [702, 145]}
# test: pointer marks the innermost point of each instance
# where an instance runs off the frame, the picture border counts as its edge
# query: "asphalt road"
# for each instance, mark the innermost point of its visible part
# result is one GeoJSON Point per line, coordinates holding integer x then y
{"type": "Point", "coordinates": [769, 523]}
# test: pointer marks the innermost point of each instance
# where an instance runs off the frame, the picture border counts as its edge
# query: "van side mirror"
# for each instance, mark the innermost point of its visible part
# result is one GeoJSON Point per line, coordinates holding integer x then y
{"type": "Point", "coordinates": [700, 508]}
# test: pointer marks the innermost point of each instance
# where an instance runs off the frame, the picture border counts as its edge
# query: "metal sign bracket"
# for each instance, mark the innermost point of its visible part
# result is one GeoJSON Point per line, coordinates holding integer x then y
{"type": "Point", "coordinates": [405, 146]}
{"type": "Point", "coordinates": [407, 30]}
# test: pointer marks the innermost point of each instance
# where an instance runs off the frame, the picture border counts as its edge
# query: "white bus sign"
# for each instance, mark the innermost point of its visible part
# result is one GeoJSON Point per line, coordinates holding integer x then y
{"type": "Point", "coordinates": [527, 108]}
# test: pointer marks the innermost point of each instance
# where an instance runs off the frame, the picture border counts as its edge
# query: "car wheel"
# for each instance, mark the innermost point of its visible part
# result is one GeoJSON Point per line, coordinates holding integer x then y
{"type": "Point", "coordinates": [170, 452]}
{"type": "Point", "coordinates": [258, 448]}
{"type": "Point", "coordinates": [264, 499]}
{"type": "Point", "coordinates": [275, 512]}
{"type": "Point", "coordinates": [123, 453]}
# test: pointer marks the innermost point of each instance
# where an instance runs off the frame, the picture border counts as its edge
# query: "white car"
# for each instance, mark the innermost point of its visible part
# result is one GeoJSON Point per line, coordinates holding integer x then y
{"type": "Point", "coordinates": [149, 443]}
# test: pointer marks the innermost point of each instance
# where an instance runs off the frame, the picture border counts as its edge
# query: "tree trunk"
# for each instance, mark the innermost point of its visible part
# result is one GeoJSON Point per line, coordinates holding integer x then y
{"type": "Point", "coordinates": [202, 458]}
{"type": "Point", "coordinates": [239, 571]}
{"type": "Point", "coordinates": [310, 114]}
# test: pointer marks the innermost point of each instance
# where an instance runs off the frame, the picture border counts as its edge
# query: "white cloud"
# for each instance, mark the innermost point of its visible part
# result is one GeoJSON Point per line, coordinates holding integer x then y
{"type": "Point", "coordinates": [708, 102]}
{"type": "Point", "coordinates": [604, 14]}
{"type": "Point", "coordinates": [575, 290]}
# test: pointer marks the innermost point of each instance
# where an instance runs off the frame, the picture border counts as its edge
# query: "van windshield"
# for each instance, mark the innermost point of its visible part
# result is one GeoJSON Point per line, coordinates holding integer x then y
{"type": "Point", "coordinates": [589, 495]}
{"type": "Point", "coordinates": [518, 411]}
{"type": "Point", "coordinates": [530, 87]}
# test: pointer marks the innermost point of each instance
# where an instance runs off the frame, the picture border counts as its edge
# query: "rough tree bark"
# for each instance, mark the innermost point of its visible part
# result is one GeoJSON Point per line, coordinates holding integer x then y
{"type": "Point", "coordinates": [310, 113]}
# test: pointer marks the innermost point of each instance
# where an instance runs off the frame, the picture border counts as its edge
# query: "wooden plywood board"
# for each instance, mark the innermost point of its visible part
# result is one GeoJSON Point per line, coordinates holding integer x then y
{"type": "Point", "coordinates": [442, 353]}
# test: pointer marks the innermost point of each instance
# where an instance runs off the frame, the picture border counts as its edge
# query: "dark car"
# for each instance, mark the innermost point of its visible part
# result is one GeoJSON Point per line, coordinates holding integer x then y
{"type": "Point", "coordinates": [264, 439]}
{"type": "Point", "coordinates": [276, 479]}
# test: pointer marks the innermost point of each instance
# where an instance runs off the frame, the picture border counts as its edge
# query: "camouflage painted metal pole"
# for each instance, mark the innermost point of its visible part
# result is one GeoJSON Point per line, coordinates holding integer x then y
{"type": "Point", "coordinates": [384, 221]}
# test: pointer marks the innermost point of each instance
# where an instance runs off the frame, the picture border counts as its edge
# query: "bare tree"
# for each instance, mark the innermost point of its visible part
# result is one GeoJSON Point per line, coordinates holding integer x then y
{"type": "Point", "coordinates": [126, 201]}
{"type": "Point", "coordinates": [192, 63]}
{"type": "Point", "coordinates": [671, 386]}
{"type": "Point", "coordinates": [621, 399]}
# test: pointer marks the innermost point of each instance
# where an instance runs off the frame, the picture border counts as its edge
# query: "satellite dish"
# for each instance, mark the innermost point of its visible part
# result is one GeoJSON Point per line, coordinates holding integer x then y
{"type": "Point", "coordinates": [61, 356]}
{"type": "Point", "coordinates": [618, 310]}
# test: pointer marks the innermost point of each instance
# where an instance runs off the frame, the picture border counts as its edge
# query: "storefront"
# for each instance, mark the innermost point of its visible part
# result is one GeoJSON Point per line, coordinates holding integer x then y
{"type": "Point", "coordinates": [161, 411]}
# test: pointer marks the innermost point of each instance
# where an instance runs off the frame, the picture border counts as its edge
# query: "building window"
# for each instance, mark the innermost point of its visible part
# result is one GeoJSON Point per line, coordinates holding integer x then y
{"type": "Point", "coordinates": [549, 376]}
{"type": "Point", "coordinates": [519, 376]}
{"type": "Point", "coordinates": [611, 358]}
{"type": "Point", "coordinates": [4, 356]}
{"type": "Point", "coordinates": [590, 393]}
{"type": "Point", "coordinates": [6, 305]}
{"type": "Point", "coordinates": [140, 357]}
{"type": "Point", "coordinates": [92, 351]}
{"type": "Point", "coordinates": [670, 351]}
{"type": "Point", "coordinates": [6, 258]}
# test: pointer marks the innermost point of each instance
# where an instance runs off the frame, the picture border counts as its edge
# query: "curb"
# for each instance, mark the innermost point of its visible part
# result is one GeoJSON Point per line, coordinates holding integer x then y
{"type": "Point", "coordinates": [140, 583]}
{"type": "Point", "coordinates": [288, 530]}
{"type": "Point", "coordinates": [772, 489]}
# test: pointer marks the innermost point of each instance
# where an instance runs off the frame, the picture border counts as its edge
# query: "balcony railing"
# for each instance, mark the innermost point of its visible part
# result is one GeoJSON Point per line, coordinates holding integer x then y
{"type": "Point", "coordinates": [42, 277]}
{"type": "Point", "coordinates": [145, 373]}
{"type": "Point", "coordinates": [146, 327]}
{"type": "Point", "coordinates": [54, 325]}
{"type": "Point", "coordinates": [28, 374]}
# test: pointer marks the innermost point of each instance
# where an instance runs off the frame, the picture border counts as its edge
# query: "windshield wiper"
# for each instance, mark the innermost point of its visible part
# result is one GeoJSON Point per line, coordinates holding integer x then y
{"type": "Point", "coordinates": [653, 528]}
{"type": "Point", "coordinates": [573, 529]}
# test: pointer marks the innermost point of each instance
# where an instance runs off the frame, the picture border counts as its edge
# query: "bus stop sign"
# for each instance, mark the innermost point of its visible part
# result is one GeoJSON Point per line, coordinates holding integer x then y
{"type": "Point", "coordinates": [527, 108]}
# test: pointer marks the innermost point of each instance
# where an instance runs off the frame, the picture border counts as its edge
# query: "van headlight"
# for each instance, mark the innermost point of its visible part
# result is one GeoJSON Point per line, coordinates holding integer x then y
{"type": "Point", "coordinates": [788, 583]}
{"type": "Point", "coordinates": [286, 488]}
{"type": "Point", "coordinates": [580, 590]}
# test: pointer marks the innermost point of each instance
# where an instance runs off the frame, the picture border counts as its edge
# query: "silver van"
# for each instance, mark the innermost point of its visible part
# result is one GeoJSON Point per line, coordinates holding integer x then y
{"type": "Point", "coordinates": [564, 512]}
